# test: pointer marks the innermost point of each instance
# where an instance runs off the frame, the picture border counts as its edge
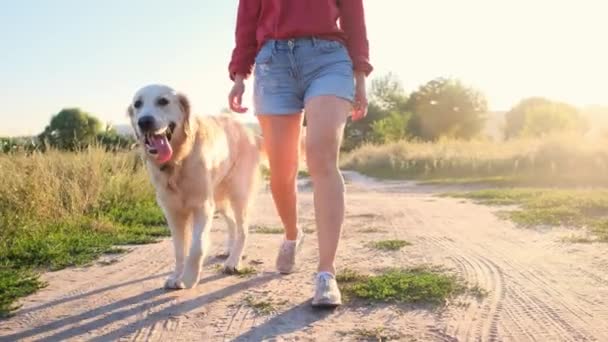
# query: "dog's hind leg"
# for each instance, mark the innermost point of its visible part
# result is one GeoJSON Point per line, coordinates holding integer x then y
{"type": "Point", "coordinates": [240, 208]}
{"type": "Point", "coordinates": [180, 233]}
{"type": "Point", "coordinates": [201, 225]}
{"type": "Point", "coordinates": [226, 212]}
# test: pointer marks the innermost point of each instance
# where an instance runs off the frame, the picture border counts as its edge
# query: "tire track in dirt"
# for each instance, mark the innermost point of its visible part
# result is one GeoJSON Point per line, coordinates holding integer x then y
{"type": "Point", "coordinates": [535, 288]}
{"type": "Point", "coordinates": [548, 304]}
{"type": "Point", "coordinates": [479, 320]}
{"type": "Point", "coordinates": [519, 298]}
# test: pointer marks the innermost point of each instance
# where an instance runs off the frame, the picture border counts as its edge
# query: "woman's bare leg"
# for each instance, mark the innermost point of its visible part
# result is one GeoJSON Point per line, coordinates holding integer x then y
{"type": "Point", "coordinates": [282, 143]}
{"type": "Point", "coordinates": [326, 117]}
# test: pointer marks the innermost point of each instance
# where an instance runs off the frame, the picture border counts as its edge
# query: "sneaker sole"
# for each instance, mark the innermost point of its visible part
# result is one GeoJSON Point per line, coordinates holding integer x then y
{"type": "Point", "coordinates": [326, 305]}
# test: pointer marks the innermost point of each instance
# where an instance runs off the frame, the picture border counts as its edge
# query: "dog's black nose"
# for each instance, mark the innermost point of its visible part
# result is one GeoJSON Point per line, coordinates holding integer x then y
{"type": "Point", "coordinates": [146, 123]}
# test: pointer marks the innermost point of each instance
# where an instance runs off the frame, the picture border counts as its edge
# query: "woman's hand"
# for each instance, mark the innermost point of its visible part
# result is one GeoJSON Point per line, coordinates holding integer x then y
{"type": "Point", "coordinates": [360, 105]}
{"type": "Point", "coordinates": [235, 98]}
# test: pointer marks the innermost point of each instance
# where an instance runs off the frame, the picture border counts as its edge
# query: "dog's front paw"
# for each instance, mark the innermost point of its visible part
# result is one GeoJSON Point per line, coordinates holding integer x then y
{"type": "Point", "coordinates": [174, 283]}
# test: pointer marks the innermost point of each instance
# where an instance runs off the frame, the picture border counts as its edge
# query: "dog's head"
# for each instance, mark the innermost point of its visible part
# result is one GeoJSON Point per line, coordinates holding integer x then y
{"type": "Point", "coordinates": [159, 116]}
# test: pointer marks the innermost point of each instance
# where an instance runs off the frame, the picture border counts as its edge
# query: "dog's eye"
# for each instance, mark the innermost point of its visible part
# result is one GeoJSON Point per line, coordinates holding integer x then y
{"type": "Point", "coordinates": [137, 104]}
{"type": "Point", "coordinates": [162, 101]}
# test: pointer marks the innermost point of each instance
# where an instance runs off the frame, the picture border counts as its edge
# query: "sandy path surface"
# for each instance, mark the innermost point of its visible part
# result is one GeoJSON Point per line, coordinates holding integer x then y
{"type": "Point", "coordinates": [539, 289]}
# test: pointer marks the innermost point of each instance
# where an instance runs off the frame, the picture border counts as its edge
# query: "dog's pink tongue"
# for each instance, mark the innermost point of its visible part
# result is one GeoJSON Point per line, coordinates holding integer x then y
{"type": "Point", "coordinates": [163, 148]}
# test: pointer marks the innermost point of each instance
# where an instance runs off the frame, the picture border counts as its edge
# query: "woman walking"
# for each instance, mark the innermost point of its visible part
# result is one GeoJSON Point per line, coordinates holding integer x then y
{"type": "Point", "coordinates": [304, 63]}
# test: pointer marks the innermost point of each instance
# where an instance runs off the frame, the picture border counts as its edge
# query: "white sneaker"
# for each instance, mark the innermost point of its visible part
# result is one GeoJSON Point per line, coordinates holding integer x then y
{"type": "Point", "coordinates": [286, 260]}
{"type": "Point", "coordinates": [327, 293]}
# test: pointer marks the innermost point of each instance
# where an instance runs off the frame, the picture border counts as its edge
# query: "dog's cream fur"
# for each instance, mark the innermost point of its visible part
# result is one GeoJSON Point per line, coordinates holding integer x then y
{"type": "Point", "coordinates": [214, 167]}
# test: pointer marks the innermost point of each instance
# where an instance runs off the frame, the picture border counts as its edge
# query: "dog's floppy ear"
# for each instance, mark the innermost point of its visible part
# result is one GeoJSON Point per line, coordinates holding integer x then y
{"type": "Point", "coordinates": [184, 104]}
{"type": "Point", "coordinates": [130, 114]}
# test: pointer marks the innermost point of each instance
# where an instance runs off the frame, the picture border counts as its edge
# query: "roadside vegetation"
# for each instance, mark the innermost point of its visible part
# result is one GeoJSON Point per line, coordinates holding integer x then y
{"type": "Point", "coordinates": [60, 209]}
{"type": "Point", "coordinates": [582, 208]}
{"type": "Point", "coordinates": [421, 285]}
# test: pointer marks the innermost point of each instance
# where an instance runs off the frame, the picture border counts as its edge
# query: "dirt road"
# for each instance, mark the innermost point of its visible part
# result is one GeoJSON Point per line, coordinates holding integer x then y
{"type": "Point", "coordinates": [539, 288]}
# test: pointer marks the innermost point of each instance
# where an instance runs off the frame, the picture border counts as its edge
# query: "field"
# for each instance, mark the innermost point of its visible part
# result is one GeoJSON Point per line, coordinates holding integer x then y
{"type": "Point", "coordinates": [59, 209]}
{"type": "Point", "coordinates": [459, 241]}
{"type": "Point", "coordinates": [559, 160]}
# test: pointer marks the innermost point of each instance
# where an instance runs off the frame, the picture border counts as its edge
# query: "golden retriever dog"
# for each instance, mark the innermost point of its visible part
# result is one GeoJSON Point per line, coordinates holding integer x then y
{"type": "Point", "coordinates": [198, 165]}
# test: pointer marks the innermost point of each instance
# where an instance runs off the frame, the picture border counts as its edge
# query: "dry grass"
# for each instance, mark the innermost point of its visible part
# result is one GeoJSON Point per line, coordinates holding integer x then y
{"type": "Point", "coordinates": [61, 209]}
{"type": "Point", "coordinates": [558, 159]}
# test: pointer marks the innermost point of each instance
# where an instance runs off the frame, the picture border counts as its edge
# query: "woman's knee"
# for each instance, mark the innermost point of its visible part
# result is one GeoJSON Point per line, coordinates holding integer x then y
{"type": "Point", "coordinates": [322, 156]}
{"type": "Point", "coordinates": [283, 179]}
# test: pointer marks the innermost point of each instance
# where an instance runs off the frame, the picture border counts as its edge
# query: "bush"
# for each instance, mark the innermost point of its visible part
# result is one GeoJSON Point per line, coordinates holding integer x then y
{"type": "Point", "coordinates": [71, 129]}
{"type": "Point", "coordinates": [535, 117]}
{"type": "Point", "coordinates": [390, 129]}
{"type": "Point", "coordinates": [446, 108]}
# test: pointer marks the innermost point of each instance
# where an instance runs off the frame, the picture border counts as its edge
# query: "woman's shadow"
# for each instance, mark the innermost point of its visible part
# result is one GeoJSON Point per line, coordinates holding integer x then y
{"type": "Point", "coordinates": [292, 320]}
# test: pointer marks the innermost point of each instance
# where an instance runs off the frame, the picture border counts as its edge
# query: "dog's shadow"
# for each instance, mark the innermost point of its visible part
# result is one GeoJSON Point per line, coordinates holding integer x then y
{"type": "Point", "coordinates": [110, 314]}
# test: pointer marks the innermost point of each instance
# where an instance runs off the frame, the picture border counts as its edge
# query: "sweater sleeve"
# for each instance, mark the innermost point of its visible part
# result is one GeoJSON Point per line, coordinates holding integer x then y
{"type": "Point", "coordinates": [243, 54]}
{"type": "Point", "coordinates": [352, 22]}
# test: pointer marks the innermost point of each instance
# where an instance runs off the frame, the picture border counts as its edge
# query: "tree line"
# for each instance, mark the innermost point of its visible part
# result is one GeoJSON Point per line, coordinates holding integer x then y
{"type": "Point", "coordinates": [443, 107]}
{"type": "Point", "coordinates": [446, 107]}
{"type": "Point", "coordinates": [71, 129]}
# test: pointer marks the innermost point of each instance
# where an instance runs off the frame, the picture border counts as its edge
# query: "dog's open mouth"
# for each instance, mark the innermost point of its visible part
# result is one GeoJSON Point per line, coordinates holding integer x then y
{"type": "Point", "coordinates": [158, 144]}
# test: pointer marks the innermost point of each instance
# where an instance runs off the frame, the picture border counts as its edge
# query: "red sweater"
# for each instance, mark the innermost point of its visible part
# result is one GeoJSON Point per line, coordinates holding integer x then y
{"type": "Point", "coordinates": [260, 20]}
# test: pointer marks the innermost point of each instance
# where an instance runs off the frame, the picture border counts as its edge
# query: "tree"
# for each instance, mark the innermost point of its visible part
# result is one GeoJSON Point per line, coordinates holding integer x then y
{"type": "Point", "coordinates": [71, 129]}
{"type": "Point", "coordinates": [391, 128]}
{"type": "Point", "coordinates": [446, 107]}
{"type": "Point", "coordinates": [386, 99]}
{"type": "Point", "coordinates": [388, 94]}
{"type": "Point", "coordinates": [112, 141]}
{"type": "Point", "coordinates": [359, 132]}
{"type": "Point", "coordinates": [537, 116]}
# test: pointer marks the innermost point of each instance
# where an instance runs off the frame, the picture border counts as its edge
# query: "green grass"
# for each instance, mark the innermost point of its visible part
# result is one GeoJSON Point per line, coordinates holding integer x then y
{"type": "Point", "coordinates": [303, 174]}
{"type": "Point", "coordinates": [67, 209]}
{"type": "Point", "coordinates": [378, 334]}
{"type": "Point", "coordinates": [262, 306]}
{"type": "Point", "coordinates": [277, 230]}
{"type": "Point", "coordinates": [265, 172]}
{"type": "Point", "coordinates": [389, 245]}
{"type": "Point", "coordinates": [552, 160]}
{"type": "Point", "coordinates": [579, 208]}
{"type": "Point", "coordinates": [309, 230]}
{"type": "Point", "coordinates": [411, 286]}
{"type": "Point", "coordinates": [370, 230]}
{"type": "Point", "coordinates": [247, 271]}
{"type": "Point", "coordinates": [477, 292]}
{"type": "Point", "coordinates": [243, 272]}
{"type": "Point", "coordinates": [16, 283]}
{"type": "Point", "coordinates": [577, 239]}
{"type": "Point", "coordinates": [267, 230]}
{"type": "Point", "coordinates": [348, 275]}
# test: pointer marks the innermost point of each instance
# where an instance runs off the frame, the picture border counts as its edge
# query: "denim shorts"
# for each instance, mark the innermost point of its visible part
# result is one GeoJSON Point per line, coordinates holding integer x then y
{"type": "Point", "coordinates": [289, 72]}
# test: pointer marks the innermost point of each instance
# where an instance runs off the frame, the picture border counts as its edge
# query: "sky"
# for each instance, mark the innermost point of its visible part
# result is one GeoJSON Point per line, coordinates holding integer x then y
{"type": "Point", "coordinates": [95, 54]}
